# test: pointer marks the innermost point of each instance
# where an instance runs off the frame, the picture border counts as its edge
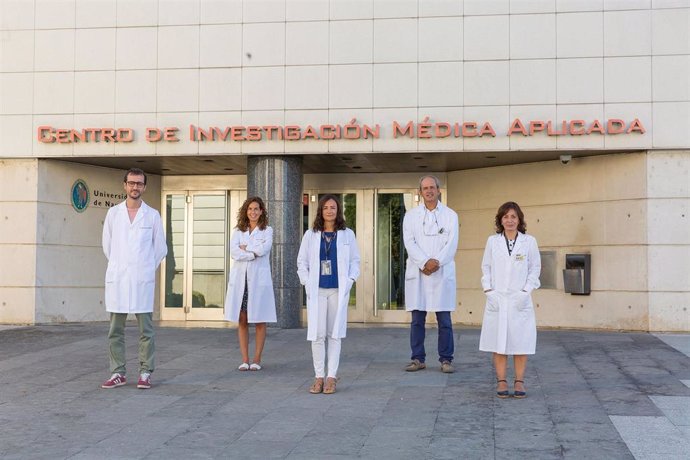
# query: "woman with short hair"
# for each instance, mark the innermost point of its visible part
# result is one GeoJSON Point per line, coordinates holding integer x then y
{"type": "Point", "coordinates": [510, 272]}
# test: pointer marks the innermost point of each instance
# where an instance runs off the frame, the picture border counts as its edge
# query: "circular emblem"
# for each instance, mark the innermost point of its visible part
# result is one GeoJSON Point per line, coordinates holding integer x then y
{"type": "Point", "coordinates": [79, 195]}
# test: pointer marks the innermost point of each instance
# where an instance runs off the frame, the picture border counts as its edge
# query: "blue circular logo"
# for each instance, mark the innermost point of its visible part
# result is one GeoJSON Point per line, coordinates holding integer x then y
{"type": "Point", "coordinates": [80, 195]}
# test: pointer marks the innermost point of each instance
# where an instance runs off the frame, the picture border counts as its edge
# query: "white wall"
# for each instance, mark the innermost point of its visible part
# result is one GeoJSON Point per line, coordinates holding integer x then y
{"type": "Point", "coordinates": [208, 62]}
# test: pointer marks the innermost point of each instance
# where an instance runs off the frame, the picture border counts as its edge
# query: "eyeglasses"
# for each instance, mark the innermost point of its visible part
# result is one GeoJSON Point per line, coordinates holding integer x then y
{"type": "Point", "coordinates": [431, 228]}
{"type": "Point", "coordinates": [135, 184]}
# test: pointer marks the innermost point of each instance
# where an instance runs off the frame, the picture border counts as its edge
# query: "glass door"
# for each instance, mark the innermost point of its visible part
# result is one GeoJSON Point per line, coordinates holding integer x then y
{"type": "Point", "coordinates": [390, 255]}
{"type": "Point", "coordinates": [196, 265]}
{"type": "Point", "coordinates": [352, 211]}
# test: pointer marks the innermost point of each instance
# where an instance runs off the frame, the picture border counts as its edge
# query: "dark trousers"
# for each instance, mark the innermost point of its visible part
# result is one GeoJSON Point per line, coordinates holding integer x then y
{"type": "Point", "coordinates": [446, 346]}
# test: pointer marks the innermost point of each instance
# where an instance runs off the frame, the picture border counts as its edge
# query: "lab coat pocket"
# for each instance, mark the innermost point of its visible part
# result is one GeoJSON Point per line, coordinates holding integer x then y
{"type": "Point", "coordinates": [492, 302]}
{"type": "Point", "coordinates": [255, 243]}
{"type": "Point", "coordinates": [146, 273]}
{"type": "Point", "coordinates": [265, 277]}
{"type": "Point", "coordinates": [350, 283]}
{"type": "Point", "coordinates": [411, 271]}
{"type": "Point", "coordinates": [524, 301]}
{"type": "Point", "coordinates": [111, 273]}
{"type": "Point", "coordinates": [145, 234]}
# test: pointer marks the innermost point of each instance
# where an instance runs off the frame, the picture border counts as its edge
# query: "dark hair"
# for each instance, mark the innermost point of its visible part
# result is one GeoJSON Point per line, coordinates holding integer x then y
{"type": "Point", "coordinates": [135, 172]}
{"type": "Point", "coordinates": [243, 220]}
{"type": "Point", "coordinates": [503, 210]}
{"type": "Point", "coordinates": [339, 219]}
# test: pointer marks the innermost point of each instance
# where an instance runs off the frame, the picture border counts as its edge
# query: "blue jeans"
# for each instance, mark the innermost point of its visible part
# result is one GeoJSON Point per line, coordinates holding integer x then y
{"type": "Point", "coordinates": [446, 346]}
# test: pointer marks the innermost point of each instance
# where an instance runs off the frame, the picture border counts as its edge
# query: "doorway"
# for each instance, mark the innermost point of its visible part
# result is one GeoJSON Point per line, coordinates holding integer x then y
{"type": "Point", "coordinates": [376, 217]}
{"type": "Point", "coordinates": [198, 225]}
{"type": "Point", "coordinates": [194, 272]}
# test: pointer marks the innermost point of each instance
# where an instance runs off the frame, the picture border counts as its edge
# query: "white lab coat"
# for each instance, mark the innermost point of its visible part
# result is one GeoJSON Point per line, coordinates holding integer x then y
{"type": "Point", "coordinates": [261, 302]}
{"type": "Point", "coordinates": [435, 292]}
{"type": "Point", "coordinates": [309, 268]}
{"type": "Point", "coordinates": [134, 251]}
{"type": "Point", "coordinates": [509, 326]}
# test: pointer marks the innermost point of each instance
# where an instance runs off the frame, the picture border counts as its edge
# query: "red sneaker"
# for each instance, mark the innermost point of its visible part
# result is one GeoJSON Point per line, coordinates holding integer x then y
{"type": "Point", "coordinates": [144, 381]}
{"type": "Point", "coordinates": [115, 380]}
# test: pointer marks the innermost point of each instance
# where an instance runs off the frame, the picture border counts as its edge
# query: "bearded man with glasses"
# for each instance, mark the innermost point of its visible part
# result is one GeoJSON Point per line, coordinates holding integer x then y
{"type": "Point", "coordinates": [134, 244]}
{"type": "Point", "coordinates": [430, 233]}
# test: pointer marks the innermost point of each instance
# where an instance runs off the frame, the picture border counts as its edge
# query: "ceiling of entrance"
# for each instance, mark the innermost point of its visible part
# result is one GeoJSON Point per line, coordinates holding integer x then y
{"type": "Point", "coordinates": [335, 162]}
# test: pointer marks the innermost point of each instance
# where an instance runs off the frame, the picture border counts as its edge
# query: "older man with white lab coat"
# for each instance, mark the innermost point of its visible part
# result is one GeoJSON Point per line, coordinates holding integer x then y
{"type": "Point", "coordinates": [430, 233]}
{"type": "Point", "coordinates": [134, 244]}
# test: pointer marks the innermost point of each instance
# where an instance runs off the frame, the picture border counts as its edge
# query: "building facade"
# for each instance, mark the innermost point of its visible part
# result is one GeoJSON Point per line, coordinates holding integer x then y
{"type": "Point", "coordinates": [579, 110]}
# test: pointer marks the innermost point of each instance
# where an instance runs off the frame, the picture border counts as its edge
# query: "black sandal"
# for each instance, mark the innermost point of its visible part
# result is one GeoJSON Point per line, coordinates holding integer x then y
{"type": "Point", "coordinates": [519, 394]}
{"type": "Point", "coordinates": [502, 394]}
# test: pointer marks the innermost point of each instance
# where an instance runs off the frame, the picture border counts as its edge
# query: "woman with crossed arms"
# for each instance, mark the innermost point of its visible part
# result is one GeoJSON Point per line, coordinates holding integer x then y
{"type": "Point", "coordinates": [249, 297]}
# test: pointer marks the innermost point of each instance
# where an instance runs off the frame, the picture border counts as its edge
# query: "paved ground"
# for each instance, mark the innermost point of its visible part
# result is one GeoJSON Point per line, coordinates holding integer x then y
{"type": "Point", "coordinates": [590, 395]}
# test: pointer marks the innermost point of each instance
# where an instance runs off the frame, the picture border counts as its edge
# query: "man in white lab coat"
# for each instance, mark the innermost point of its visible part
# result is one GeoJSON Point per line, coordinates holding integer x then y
{"type": "Point", "coordinates": [430, 233]}
{"type": "Point", "coordinates": [134, 244]}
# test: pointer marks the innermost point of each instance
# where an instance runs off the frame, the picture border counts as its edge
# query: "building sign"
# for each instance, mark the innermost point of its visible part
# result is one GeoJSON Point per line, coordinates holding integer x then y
{"type": "Point", "coordinates": [80, 197]}
{"type": "Point", "coordinates": [350, 131]}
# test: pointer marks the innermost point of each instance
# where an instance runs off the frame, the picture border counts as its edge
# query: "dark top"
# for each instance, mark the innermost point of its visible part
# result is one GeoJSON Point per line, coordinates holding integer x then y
{"type": "Point", "coordinates": [328, 251]}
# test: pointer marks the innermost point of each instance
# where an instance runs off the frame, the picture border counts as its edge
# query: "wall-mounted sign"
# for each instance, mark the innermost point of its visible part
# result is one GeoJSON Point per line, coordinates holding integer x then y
{"type": "Point", "coordinates": [79, 195]}
{"type": "Point", "coordinates": [353, 130]}
{"type": "Point", "coordinates": [103, 199]}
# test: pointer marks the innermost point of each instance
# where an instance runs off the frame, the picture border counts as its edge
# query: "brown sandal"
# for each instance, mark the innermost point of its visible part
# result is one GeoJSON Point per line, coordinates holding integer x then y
{"type": "Point", "coordinates": [317, 386]}
{"type": "Point", "coordinates": [329, 389]}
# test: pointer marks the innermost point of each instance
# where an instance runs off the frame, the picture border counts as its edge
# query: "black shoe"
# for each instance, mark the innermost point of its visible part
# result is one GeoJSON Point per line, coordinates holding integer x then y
{"type": "Point", "coordinates": [519, 394]}
{"type": "Point", "coordinates": [502, 394]}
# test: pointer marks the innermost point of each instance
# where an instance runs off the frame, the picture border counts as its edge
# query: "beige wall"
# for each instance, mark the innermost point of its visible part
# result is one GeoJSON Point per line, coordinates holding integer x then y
{"type": "Point", "coordinates": [18, 190]}
{"type": "Point", "coordinates": [624, 209]}
{"type": "Point", "coordinates": [60, 277]}
{"type": "Point", "coordinates": [668, 252]}
{"type": "Point", "coordinates": [630, 211]}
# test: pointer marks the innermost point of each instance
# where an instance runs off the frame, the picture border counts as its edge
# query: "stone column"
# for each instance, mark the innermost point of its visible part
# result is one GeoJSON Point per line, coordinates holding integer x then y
{"type": "Point", "coordinates": [278, 181]}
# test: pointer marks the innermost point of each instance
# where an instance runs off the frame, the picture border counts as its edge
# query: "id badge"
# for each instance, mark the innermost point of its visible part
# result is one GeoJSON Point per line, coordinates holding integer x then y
{"type": "Point", "coordinates": [326, 268]}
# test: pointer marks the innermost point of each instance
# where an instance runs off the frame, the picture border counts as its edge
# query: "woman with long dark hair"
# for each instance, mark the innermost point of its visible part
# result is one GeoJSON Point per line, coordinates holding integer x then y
{"type": "Point", "coordinates": [249, 297]}
{"type": "Point", "coordinates": [327, 265]}
{"type": "Point", "coordinates": [510, 272]}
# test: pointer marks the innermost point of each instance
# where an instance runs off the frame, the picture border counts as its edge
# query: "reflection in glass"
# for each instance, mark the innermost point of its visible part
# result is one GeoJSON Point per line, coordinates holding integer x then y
{"type": "Point", "coordinates": [305, 213]}
{"type": "Point", "coordinates": [174, 261]}
{"type": "Point", "coordinates": [208, 251]}
{"type": "Point", "coordinates": [390, 250]}
{"type": "Point", "coordinates": [349, 202]}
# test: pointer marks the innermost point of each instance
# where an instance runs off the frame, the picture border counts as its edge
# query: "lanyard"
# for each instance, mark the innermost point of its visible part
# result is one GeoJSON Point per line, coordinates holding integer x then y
{"type": "Point", "coordinates": [510, 250]}
{"type": "Point", "coordinates": [327, 242]}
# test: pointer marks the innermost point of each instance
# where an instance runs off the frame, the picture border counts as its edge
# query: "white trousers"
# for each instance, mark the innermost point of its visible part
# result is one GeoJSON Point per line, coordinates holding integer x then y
{"type": "Point", "coordinates": [328, 307]}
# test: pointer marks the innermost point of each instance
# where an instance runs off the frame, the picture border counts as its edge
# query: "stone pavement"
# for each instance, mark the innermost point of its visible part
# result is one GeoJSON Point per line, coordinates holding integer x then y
{"type": "Point", "coordinates": [590, 395]}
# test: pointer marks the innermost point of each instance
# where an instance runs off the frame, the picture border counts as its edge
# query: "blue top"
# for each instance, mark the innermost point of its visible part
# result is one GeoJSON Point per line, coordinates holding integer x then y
{"type": "Point", "coordinates": [329, 251]}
